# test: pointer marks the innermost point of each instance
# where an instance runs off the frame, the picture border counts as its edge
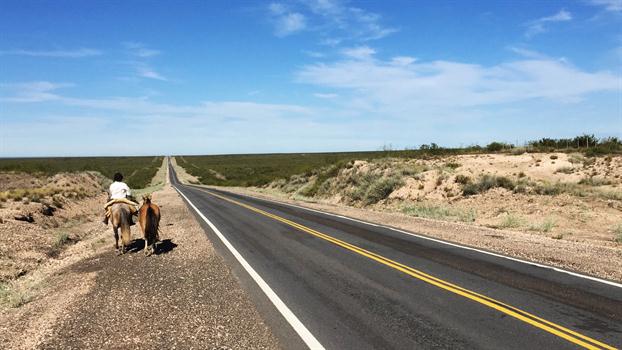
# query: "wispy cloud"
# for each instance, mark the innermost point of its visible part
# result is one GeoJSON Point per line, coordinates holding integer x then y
{"type": "Point", "coordinates": [286, 22]}
{"type": "Point", "coordinates": [141, 57]}
{"type": "Point", "coordinates": [527, 52]}
{"type": "Point", "coordinates": [325, 95]}
{"type": "Point", "coordinates": [140, 50]}
{"type": "Point", "coordinates": [403, 60]}
{"type": "Point", "coordinates": [359, 53]}
{"type": "Point", "coordinates": [35, 91]}
{"type": "Point", "coordinates": [388, 88]}
{"type": "Point", "coordinates": [147, 72]}
{"type": "Point", "coordinates": [335, 21]}
{"type": "Point", "coordinates": [314, 54]}
{"type": "Point", "coordinates": [76, 53]}
{"type": "Point", "coordinates": [540, 25]}
{"type": "Point", "coordinates": [608, 5]}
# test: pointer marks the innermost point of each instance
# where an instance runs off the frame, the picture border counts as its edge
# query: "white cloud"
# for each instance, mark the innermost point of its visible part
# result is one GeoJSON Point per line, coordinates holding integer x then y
{"type": "Point", "coordinates": [347, 22]}
{"type": "Point", "coordinates": [290, 23]}
{"type": "Point", "coordinates": [325, 95]}
{"type": "Point", "coordinates": [335, 21]}
{"type": "Point", "coordinates": [147, 72]}
{"type": "Point", "coordinates": [140, 50]}
{"type": "Point", "coordinates": [608, 5]}
{"type": "Point", "coordinates": [382, 86]}
{"type": "Point", "coordinates": [540, 25]}
{"type": "Point", "coordinates": [277, 8]}
{"type": "Point", "coordinates": [403, 60]}
{"type": "Point", "coordinates": [526, 52]}
{"type": "Point", "coordinates": [35, 91]}
{"type": "Point", "coordinates": [359, 53]}
{"type": "Point", "coordinates": [314, 54]}
{"type": "Point", "coordinates": [77, 53]}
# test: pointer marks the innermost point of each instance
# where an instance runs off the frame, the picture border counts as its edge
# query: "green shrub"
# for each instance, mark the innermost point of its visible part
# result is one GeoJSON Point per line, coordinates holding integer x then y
{"type": "Point", "coordinates": [595, 181]}
{"type": "Point", "coordinates": [381, 189]}
{"type": "Point", "coordinates": [547, 189]}
{"type": "Point", "coordinates": [61, 239]}
{"type": "Point", "coordinates": [498, 146]}
{"type": "Point", "coordinates": [322, 176]}
{"type": "Point", "coordinates": [462, 179]}
{"type": "Point", "coordinates": [487, 182]}
{"type": "Point", "coordinates": [13, 297]}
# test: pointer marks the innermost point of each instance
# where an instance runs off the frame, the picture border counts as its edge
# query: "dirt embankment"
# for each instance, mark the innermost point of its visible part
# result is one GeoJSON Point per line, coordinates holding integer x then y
{"type": "Point", "coordinates": [84, 296]}
{"type": "Point", "coordinates": [39, 216]}
{"type": "Point", "coordinates": [560, 209]}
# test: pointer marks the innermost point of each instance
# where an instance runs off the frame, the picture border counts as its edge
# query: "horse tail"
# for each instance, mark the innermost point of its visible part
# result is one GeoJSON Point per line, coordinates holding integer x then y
{"type": "Point", "coordinates": [152, 224]}
{"type": "Point", "coordinates": [126, 234]}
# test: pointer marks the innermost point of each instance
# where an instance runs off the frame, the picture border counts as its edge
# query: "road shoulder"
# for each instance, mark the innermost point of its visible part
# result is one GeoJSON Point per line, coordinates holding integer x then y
{"type": "Point", "coordinates": [184, 297]}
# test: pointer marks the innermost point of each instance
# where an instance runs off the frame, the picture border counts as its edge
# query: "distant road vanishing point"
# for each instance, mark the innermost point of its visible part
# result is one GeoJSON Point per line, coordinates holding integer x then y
{"type": "Point", "coordinates": [326, 281]}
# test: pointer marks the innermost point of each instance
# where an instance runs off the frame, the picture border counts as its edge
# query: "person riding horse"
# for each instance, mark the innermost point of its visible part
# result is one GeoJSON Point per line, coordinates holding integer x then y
{"type": "Point", "coordinates": [119, 192]}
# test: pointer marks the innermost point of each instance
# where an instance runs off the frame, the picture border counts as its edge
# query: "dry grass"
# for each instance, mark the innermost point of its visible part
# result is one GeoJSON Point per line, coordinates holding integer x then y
{"type": "Point", "coordinates": [545, 226]}
{"type": "Point", "coordinates": [617, 233]}
{"type": "Point", "coordinates": [13, 295]}
{"type": "Point", "coordinates": [511, 221]}
{"type": "Point", "coordinates": [440, 212]}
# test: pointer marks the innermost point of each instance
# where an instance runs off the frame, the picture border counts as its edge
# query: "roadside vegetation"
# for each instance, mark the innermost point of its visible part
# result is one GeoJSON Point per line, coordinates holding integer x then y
{"type": "Point", "coordinates": [138, 171]}
{"type": "Point", "coordinates": [558, 188]}
{"type": "Point", "coordinates": [47, 205]}
{"type": "Point", "coordinates": [262, 169]}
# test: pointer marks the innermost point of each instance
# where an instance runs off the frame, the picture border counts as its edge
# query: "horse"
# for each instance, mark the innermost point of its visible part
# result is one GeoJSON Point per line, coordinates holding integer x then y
{"type": "Point", "coordinates": [120, 217]}
{"type": "Point", "coordinates": [149, 218]}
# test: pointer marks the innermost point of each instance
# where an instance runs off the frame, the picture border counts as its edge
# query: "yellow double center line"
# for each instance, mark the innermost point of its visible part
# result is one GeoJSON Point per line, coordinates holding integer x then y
{"type": "Point", "coordinates": [519, 314]}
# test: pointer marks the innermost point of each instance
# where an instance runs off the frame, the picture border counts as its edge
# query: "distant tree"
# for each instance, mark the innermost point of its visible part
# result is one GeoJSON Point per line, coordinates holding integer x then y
{"type": "Point", "coordinates": [495, 146]}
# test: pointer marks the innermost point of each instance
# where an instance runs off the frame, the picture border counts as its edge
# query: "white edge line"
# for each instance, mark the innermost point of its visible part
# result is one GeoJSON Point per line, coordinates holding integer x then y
{"type": "Point", "coordinates": [300, 328]}
{"type": "Point", "coordinates": [611, 283]}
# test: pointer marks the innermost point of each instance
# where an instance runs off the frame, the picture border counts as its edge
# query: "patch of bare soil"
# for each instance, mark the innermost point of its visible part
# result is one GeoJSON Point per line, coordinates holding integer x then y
{"type": "Point", "coordinates": [182, 297]}
{"type": "Point", "coordinates": [38, 216]}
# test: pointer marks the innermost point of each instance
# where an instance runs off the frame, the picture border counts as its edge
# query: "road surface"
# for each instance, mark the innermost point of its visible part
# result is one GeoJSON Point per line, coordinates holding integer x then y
{"type": "Point", "coordinates": [321, 280]}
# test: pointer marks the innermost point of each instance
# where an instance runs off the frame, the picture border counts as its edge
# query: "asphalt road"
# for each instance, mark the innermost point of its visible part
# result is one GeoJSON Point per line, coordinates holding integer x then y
{"type": "Point", "coordinates": [358, 286]}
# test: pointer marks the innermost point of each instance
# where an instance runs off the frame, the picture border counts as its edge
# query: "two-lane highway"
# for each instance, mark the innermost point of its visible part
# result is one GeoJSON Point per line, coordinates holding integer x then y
{"type": "Point", "coordinates": [326, 281]}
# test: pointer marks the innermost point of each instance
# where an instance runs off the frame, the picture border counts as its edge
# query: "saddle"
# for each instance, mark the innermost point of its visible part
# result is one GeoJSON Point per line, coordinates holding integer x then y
{"type": "Point", "coordinates": [131, 204]}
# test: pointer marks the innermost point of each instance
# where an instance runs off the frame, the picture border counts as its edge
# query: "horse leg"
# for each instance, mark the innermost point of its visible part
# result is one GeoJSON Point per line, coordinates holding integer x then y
{"type": "Point", "coordinates": [116, 238]}
{"type": "Point", "coordinates": [146, 249]}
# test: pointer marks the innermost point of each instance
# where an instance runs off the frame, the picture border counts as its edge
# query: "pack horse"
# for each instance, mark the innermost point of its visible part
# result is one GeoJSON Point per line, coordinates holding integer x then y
{"type": "Point", "coordinates": [149, 219]}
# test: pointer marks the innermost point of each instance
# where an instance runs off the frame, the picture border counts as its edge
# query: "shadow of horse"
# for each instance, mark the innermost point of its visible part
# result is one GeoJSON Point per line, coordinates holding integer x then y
{"type": "Point", "coordinates": [162, 247]}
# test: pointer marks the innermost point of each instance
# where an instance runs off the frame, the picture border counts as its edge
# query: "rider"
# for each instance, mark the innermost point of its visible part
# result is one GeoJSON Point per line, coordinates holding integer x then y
{"type": "Point", "coordinates": [119, 191]}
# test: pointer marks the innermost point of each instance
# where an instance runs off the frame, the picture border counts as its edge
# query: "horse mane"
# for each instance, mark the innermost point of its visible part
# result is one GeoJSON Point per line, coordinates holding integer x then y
{"type": "Point", "coordinates": [147, 198]}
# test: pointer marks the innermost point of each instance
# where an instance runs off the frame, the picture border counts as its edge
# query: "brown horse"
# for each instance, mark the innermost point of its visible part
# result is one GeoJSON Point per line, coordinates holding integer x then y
{"type": "Point", "coordinates": [149, 218]}
{"type": "Point", "coordinates": [120, 217]}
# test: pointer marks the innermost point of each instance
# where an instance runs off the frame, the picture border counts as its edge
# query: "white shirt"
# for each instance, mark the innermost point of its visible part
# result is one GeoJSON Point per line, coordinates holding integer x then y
{"type": "Point", "coordinates": [119, 190]}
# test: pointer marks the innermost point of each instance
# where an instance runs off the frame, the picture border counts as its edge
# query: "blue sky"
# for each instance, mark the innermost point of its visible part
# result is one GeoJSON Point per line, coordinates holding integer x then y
{"type": "Point", "coordinates": [209, 77]}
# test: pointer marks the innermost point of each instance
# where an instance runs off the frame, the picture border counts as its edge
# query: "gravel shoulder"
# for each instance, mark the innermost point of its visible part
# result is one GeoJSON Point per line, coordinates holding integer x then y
{"type": "Point", "coordinates": [597, 258]}
{"type": "Point", "coordinates": [183, 297]}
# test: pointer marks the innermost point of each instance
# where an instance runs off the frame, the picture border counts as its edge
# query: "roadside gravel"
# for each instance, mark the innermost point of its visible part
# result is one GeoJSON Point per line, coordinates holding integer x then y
{"type": "Point", "coordinates": [184, 297]}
